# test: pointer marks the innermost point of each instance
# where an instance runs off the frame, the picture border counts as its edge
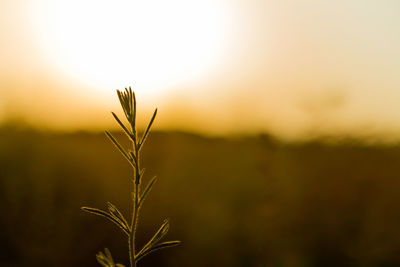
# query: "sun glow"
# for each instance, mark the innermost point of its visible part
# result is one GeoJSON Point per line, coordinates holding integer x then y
{"type": "Point", "coordinates": [151, 44]}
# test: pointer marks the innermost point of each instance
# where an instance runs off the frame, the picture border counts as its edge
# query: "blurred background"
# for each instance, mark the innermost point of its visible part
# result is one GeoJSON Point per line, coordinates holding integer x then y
{"type": "Point", "coordinates": [276, 141]}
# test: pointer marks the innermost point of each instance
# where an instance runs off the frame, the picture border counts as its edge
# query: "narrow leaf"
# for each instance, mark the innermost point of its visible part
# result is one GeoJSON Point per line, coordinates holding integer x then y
{"type": "Point", "coordinates": [134, 107]}
{"type": "Point", "coordinates": [119, 96]}
{"type": "Point", "coordinates": [129, 105]}
{"type": "Point", "coordinates": [117, 214]}
{"type": "Point", "coordinates": [122, 100]}
{"type": "Point", "coordinates": [147, 129]}
{"type": "Point", "coordinates": [105, 259]}
{"type": "Point", "coordinates": [147, 190]}
{"type": "Point", "coordinates": [102, 259]}
{"type": "Point", "coordinates": [167, 244]}
{"type": "Point", "coordinates": [162, 231]}
{"type": "Point", "coordinates": [108, 255]}
{"type": "Point", "coordinates": [130, 135]}
{"type": "Point", "coordinates": [108, 216]}
{"type": "Point", "coordinates": [123, 152]}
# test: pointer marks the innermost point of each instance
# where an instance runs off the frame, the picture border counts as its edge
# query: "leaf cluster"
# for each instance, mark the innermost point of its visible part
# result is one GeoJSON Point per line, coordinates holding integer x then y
{"type": "Point", "coordinates": [128, 102]}
{"type": "Point", "coordinates": [106, 260]}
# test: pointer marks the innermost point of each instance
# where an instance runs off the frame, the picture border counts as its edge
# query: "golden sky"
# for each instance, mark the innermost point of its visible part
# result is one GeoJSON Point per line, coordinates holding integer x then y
{"type": "Point", "coordinates": [293, 68]}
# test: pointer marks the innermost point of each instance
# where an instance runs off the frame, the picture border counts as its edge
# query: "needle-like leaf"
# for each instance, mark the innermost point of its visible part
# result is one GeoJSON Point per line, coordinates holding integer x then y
{"type": "Point", "coordinates": [108, 255]}
{"type": "Point", "coordinates": [133, 102]}
{"type": "Point", "coordinates": [123, 152]}
{"type": "Point", "coordinates": [162, 231]}
{"type": "Point", "coordinates": [147, 190]}
{"type": "Point", "coordinates": [130, 135]}
{"type": "Point", "coordinates": [108, 216]}
{"type": "Point", "coordinates": [117, 214]}
{"type": "Point", "coordinates": [159, 246]}
{"type": "Point", "coordinates": [147, 129]}
{"type": "Point", "coordinates": [123, 103]}
{"type": "Point", "coordinates": [106, 259]}
{"type": "Point", "coordinates": [102, 259]}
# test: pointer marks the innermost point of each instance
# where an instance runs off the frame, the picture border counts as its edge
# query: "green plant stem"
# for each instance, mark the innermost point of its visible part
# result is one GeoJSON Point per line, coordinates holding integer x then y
{"type": "Point", "coordinates": [132, 235]}
{"type": "Point", "coordinates": [135, 214]}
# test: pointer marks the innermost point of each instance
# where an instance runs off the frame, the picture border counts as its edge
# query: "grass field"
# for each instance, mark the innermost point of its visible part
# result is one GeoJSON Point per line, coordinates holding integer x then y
{"type": "Point", "coordinates": [234, 201]}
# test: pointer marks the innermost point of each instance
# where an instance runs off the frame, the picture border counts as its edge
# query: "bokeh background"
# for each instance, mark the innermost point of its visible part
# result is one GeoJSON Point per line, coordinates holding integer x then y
{"type": "Point", "coordinates": [276, 141]}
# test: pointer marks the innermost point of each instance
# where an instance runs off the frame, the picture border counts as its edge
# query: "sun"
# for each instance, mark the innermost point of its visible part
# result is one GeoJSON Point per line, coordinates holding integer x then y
{"type": "Point", "coordinates": [153, 45]}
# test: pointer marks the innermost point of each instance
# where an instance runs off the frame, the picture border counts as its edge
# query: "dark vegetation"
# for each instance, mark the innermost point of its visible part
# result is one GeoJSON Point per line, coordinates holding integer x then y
{"type": "Point", "coordinates": [239, 201]}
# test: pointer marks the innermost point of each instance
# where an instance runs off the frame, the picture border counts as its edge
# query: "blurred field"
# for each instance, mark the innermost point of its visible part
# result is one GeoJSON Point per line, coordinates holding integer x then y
{"type": "Point", "coordinates": [238, 201]}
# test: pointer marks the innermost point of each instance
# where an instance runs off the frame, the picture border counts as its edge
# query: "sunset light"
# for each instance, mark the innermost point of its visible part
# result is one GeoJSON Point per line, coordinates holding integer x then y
{"type": "Point", "coordinates": [151, 44]}
{"type": "Point", "coordinates": [251, 66]}
{"type": "Point", "coordinates": [205, 133]}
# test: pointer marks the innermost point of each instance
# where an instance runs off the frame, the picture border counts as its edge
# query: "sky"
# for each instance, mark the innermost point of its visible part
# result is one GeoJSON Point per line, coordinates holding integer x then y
{"type": "Point", "coordinates": [292, 68]}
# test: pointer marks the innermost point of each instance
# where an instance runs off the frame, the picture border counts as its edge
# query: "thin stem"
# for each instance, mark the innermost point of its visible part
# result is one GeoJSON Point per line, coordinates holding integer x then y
{"type": "Point", "coordinates": [135, 215]}
{"type": "Point", "coordinates": [133, 230]}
